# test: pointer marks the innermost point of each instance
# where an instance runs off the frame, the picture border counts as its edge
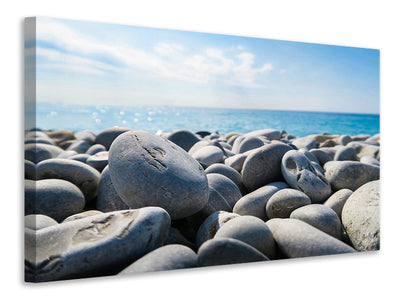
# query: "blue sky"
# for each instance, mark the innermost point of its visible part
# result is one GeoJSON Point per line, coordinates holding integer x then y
{"type": "Point", "coordinates": [84, 62]}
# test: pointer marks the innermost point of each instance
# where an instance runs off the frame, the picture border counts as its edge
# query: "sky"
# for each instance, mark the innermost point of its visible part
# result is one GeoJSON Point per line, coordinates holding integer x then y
{"type": "Point", "coordinates": [95, 63]}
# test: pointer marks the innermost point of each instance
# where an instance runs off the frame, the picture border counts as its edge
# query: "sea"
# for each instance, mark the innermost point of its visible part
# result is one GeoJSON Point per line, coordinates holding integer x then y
{"type": "Point", "coordinates": [156, 119]}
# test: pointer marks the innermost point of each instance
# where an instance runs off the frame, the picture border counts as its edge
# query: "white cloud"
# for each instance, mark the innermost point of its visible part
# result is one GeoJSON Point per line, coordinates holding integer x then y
{"type": "Point", "coordinates": [168, 60]}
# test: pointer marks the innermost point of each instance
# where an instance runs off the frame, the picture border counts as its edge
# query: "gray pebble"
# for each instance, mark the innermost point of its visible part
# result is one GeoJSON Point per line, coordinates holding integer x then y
{"type": "Point", "coordinates": [236, 161]}
{"type": "Point", "coordinates": [321, 217]}
{"type": "Point", "coordinates": [350, 174]}
{"type": "Point", "coordinates": [209, 155]}
{"type": "Point", "coordinates": [80, 157]}
{"type": "Point", "coordinates": [346, 153]}
{"type": "Point", "coordinates": [80, 146]}
{"type": "Point", "coordinates": [98, 161]}
{"type": "Point", "coordinates": [283, 202]}
{"type": "Point", "coordinates": [337, 200]}
{"type": "Point", "coordinates": [254, 203]}
{"type": "Point", "coordinates": [38, 152]}
{"type": "Point", "coordinates": [38, 221]}
{"type": "Point", "coordinates": [95, 149]}
{"type": "Point", "coordinates": [249, 143]}
{"type": "Point", "coordinates": [229, 172]}
{"type": "Point", "coordinates": [107, 198]}
{"type": "Point", "coordinates": [107, 136]}
{"type": "Point", "coordinates": [55, 198]}
{"type": "Point", "coordinates": [296, 238]}
{"type": "Point", "coordinates": [360, 217]}
{"type": "Point", "coordinates": [250, 230]}
{"type": "Point", "coordinates": [170, 257]}
{"type": "Point", "coordinates": [183, 138]}
{"type": "Point", "coordinates": [262, 166]}
{"type": "Point", "coordinates": [83, 176]}
{"type": "Point", "coordinates": [227, 251]}
{"type": "Point", "coordinates": [321, 155]}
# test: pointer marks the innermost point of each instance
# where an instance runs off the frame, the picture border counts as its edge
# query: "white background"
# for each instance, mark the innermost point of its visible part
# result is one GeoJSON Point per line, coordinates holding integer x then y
{"type": "Point", "coordinates": [368, 24]}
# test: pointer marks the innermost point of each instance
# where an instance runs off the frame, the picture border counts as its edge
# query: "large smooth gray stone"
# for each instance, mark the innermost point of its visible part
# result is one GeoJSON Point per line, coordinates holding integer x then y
{"type": "Point", "coordinates": [83, 176]}
{"type": "Point", "coordinates": [296, 238]}
{"type": "Point", "coordinates": [38, 152]}
{"type": "Point", "coordinates": [360, 216]}
{"type": "Point", "coordinates": [346, 153]}
{"type": "Point", "coordinates": [283, 202]}
{"type": "Point", "coordinates": [87, 135]}
{"type": "Point", "coordinates": [209, 155]}
{"type": "Point", "coordinates": [223, 194]}
{"type": "Point", "coordinates": [170, 257]}
{"type": "Point", "coordinates": [263, 165]}
{"type": "Point", "coordinates": [107, 197]}
{"type": "Point", "coordinates": [226, 251]}
{"type": "Point", "coordinates": [307, 142]}
{"type": "Point", "coordinates": [321, 217]}
{"type": "Point", "coordinates": [250, 230]}
{"type": "Point", "coordinates": [183, 138]}
{"type": "Point", "coordinates": [212, 224]}
{"type": "Point", "coordinates": [337, 200]}
{"type": "Point", "coordinates": [301, 174]}
{"type": "Point", "coordinates": [98, 161]}
{"type": "Point", "coordinates": [344, 140]}
{"type": "Point", "coordinates": [350, 174]}
{"type": "Point", "coordinates": [148, 170]}
{"type": "Point", "coordinates": [38, 221]}
{"type": "Point", "coordinates": [99, 245]}
{"type": "Point", "coordinates": [55, 198]}
{"type": "Point", "coordinates": [236, 161]}
{"type": "Point", "coordinates": [254, 203]}
{"type": "Point", "coordinates": [107, 136]}
{"type": "Point", "coordinates": [229, 172]}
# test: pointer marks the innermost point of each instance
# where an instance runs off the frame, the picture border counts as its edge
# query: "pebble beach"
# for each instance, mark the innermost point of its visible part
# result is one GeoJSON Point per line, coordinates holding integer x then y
{"type": "Point", "coordinates": [122, 201]}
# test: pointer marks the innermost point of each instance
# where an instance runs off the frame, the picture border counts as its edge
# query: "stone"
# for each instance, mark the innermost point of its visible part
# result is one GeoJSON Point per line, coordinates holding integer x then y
{"type": "Point", "coordinates": [283, 202]}
{"type": "Point", "coordinates": [223, 194]}
{"type": "Point", "coordinates": [212, 224]}
{"type": "Point", "coordinates": [107, 136]}
{"type": "Point", "coordinates": [360, 137]}
{"type": "Point", "coordinates": [203, 133]}
{"type": "Point", "coordinates": [236, 162]}
{"type": "Point", "coordinates": [270, 134]}
{"type": "Point", "coordinates": [236, 143]}
{"type": "Point", "coordinates": [98, 161]}
{"type": "Point", "coordinates": [226, 251]}
{"type": "Point", "coordinates": [249, 143]}
{"type": "Point", "coordinates": [80, 146]}
{"type": "Point", "coordinates": [209, 155]}
{"type": "Point", "coordinates": [301, 174]}
{"type": "Point", "coordinates": [86, 135]}
{"type": "Point", "coordinates": [98, 245]}
{"type": "Point", "coordinates": [296, 238]}
{"type": "Point", "coordinates": [321, 217]}
{"type": "Point", "coordinates": [250, 230]}
{"type": "Point", "coordinates": [38, 152]}
{"type": "Point", "coordinates": [229, 172]}
{"type": "Point", "coordinates": [183, 138]}
{"type": "Point", "coordinates": [311, 157]}
{"type": "Point", "coordinates": [95, 149]}
{"type": "Point", "coordinates": [83, 176]}
{"type": "Point", "coordinates": [54, 198]}
{"type": "Point", "coordinates": [254, 203]}
{"type": "Point", "coordinates": [360, 216]}
{"type": "Point", "coordinates": [38, 221]}
{"type": "Point", "coordinates": [82, 215]}
{"type": "Point", "coordinates": [350, 174]}
{"type": "Point", "coordinates": [321, 155]}
{"type": "Point", "coordinates": [346, 153]}
{"type": "Point", "coordinates": [107, 197]}
{"type": "Point", "coordinates": [262, 166]}
{"type": "Point", "coordinates": [307, 142]}
{"type": "Point", "coordinates": [30, 170]}
{"type": "Point", "coordinates": [148, 170]}
{"type": "Point", "coordinates": [365, 149]}
{"type": "Point", "coordinates": [59, 136]}
{"type": "Point", "coordinates": [337, 200]}
{"type": "Point", "coordinates": [344, 140]}
{"type": "Point", "coordinates": [169, 257]}
{"type": "Point", "coordinates": [37, 140]}
{"type": "Point", "coordinates": [370, 160]}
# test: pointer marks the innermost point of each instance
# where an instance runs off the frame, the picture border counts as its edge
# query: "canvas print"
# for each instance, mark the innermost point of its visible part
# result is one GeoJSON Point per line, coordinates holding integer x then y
{"type": "Point", "coordinates": [149, 149]}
